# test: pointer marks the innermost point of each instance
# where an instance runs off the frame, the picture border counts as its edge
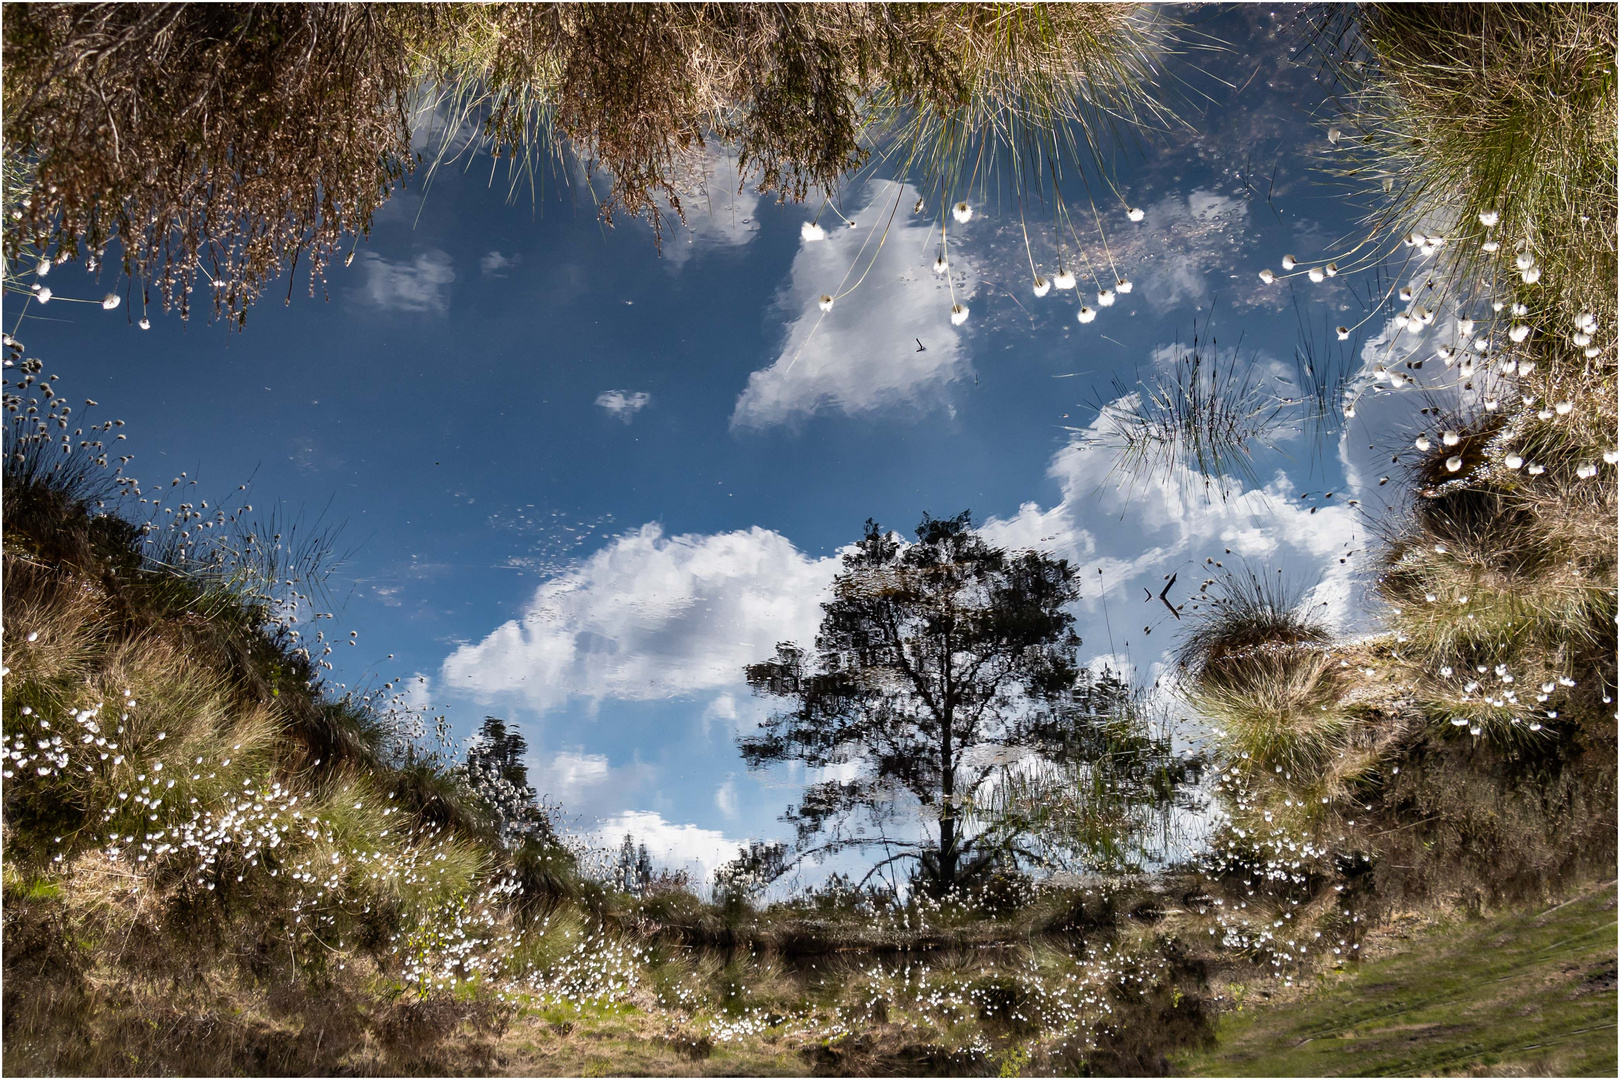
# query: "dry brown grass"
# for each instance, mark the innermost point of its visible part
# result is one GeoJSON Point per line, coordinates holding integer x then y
{"type": "Point", "coordinates": [236, 140]}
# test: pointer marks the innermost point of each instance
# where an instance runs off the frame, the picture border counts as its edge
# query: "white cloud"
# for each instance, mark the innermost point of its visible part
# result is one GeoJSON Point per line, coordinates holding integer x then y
{"type": "Point", "coordinates": [494, 264]}
{"type": "Point", "coordinates": [725, 797]}
{"type": "Point", "coordinates": [681, 846]}
{"type": "Point", "coordinates": [649, 617]}
{"type": "Point", "coordinates": [1183, 242]}
{"type": "Point", "coordinates": [862, 355]}
{"type": "Point", "coordinates": [721, 210]}
{"type": "Point", "coordinates": [624, 404]}
{"type": "Point", "coordinates": [1125, 535]}
{"type": "Point", "coordinates": [422, 284]}
{"type": "Point", "coordinates": [571, 775]}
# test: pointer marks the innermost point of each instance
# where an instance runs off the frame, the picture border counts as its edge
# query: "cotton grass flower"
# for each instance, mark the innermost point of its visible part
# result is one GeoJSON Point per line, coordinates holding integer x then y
{"type": "Point", "coordinates": [1532, 275]}
{"type": "Point", "coordinates": [962, 212]}
{"type": "Point", "coordinates": [1490, 247]}
{"type": "Point", "coordinates": [145, 323]}
{"type": "Point", "coordinates": [43, 295]}
{"type": "Point", "coordinates": [1042, 286]}
{"type": "Point", "coordinates": [1611, 457]}
{"type": "Point", "coordinates": [1535, 470]}
{"type": "Point", "coordinates": [1525, 260]}
{"type": "Point", "coordinates": [1086, 314]}
{"type": "Point", "coordinates": [1123, 286]}
{"type": "Point", "coordinates": [1450, 438]}
{"type": "Point", "coordinates": [1586, 471]}
{"type": "Point", "coordinates": [810, 232]}
{"type": "Point", "coordinates": [826, 302]}
{"type": "Point", "coordinates": [1489, 218]}
{"type": "Point", "coordinates": [1135, 214]}
{"type": "Point", "coordinates": [1064, 279]}
{"type": "Point", "coordinates": [1267, 277]}
{"type": "Point", "coordinates": [1453, 463]}
{"type": "Point", "coordinates": [1289, 262]}
{"type": "Point", "coordinates": [1343, 332]}
{"type": "Point", "coordinates": [1105, 298]}
{"type": "Point", "coordinates": [1316, 274]}
{"type": "Point", "coordinates": [1518, 332]}
{"type": "Point", "coordinates": [940, 265]}
{"type": "Point", "coordinates": [1513, 461]}
{"type": "Point", "coordinates": [1405, 294]}
{"type": "Point", "coordinates": [110, 301]}
{"type": "Point", "coordinates": [959, 314]}
{"type": "Point", "coordinates": [1525, 367]}
{"type": "Point", "coordinates": [1422, 442]}
{"type": "Point", "coordinates": [1564, 408]}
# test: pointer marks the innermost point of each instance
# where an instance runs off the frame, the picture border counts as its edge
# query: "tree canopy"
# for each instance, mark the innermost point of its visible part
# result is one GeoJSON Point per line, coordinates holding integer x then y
{"type": "Point", "coordinates": [941, 667]}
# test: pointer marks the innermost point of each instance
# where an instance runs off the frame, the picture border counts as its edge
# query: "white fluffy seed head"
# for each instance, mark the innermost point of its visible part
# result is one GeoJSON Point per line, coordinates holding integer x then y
{"type": "Point", "coordinates": [1489, 218]}
{"type": "Point", "coordinates": [1042, 286]}
{"type": "Point", "coordinates": [1525, 260]}
{"type": "Point", "coordinates": [1343, 332]}
{"type": "Point", "coordinates": [145, 323]}
{"type": "Point", "coordinates": [1453, 463]}
{"type": "Point", "coordinates": [1086, 314]}
{"type": "Point", "coordinates": [1519, 332]}
{"type": "Point", "coordinates": [1316, 274]}
{"type": "Point", "coordinates": [1422, 442]}
{"type": "Point", "coordinates": [940, 265]}
{"type": "Point", "coordinates": [1450, 438]}
{"type": "Point", "coordinates": [1064, 279]}
{"type": "Point", "coordinates": [1532, 275]}
{"type": "Point", "coordinates": [1105, 298]}
{"type": "Point", "coordinates": [1525, 367]}
{"type": "Point", "coordinates": [1267, 277]}
{"type": "Point", "coordinates": [1289, 262]}
{"type": "Point", "coordinates": [1513, 461]}
{"type": "Point", "coordinates": [110, 301]}
{"type": "Point", "coordinates": [1564, 408]}
{"type": "Point", "coordinates": [1490, 247]}
{"type": "Point", "coordinates": [962, 212]}
{"type": "Point", "coordinates": [1123, 286]}
{"type": "Point", "coordinates": [43, 295]}
{"type": "Point", "coordinates": [812, 232]}
{"type": "Point", "coordinates": [959, 314]}
{"type": "Point", "coordinates": [826, 302]}
{"type": "Point", "coordinates": [1135, 214]}
{"type": "Point", "coordinates": [1586, 471]}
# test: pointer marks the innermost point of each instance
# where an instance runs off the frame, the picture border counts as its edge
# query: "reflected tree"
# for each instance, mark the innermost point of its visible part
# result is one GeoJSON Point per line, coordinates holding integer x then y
{"type": "Point", "coordinates": [942, 668]}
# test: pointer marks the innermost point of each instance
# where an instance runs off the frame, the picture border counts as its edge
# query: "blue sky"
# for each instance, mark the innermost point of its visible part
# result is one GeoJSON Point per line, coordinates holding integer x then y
{"type": "Point", "coordinates": [585, 483]}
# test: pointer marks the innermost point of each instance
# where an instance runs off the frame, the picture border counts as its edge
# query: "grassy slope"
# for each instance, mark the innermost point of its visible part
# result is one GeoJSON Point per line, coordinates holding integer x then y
{"type": "Point", "coordinates": [1524, 993]}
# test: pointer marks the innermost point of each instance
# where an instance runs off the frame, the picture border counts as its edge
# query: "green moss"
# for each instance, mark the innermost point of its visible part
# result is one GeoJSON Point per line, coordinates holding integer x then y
{"type": "Point", "coordinates": [1526, 993]}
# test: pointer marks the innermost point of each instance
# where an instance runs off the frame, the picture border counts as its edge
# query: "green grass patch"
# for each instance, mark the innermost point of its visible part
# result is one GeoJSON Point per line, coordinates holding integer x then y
{"type": "Point", "coordinates": [1526, 993]}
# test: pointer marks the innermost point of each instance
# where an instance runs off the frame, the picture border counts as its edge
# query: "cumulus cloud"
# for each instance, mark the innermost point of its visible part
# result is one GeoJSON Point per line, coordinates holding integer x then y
{"type": "Point", "coordinates": [681, 846]}
{"type": "Point", "coordinates": [1183, 242]}
{"type": "Point", "coordinates": [721, 209]}
{"type": "Point", "coordinates": [649, 617]}
{"type": "Point", "coordinates": [624, 404]}
{"type": "Point", "coordinates": [494, 264]}
{"type": "Point", "coordinates": [1127, 534]}
{"type": "Point", "coordinates": [570, 775]}
{"type": "Point", "coordinates": [861, 356]}
{"type": "Point", "coordinates": [422, 284]}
